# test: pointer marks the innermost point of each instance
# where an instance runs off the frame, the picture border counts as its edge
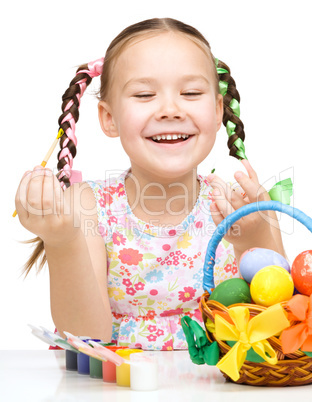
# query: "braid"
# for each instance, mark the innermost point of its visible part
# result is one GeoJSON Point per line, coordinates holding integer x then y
{"type": "Point", "coordinates": [68, 142]}
{"type": "Point", "coordinates": [68, 119]}
{"type": "Point", "coordinates": [234, 125]}
{"type": "Point", "coordinates": [67, 122]}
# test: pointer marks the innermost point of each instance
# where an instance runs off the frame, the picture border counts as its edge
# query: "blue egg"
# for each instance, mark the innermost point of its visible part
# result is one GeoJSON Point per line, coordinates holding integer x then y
{"type": "Point", "coordinates": [256, 258]}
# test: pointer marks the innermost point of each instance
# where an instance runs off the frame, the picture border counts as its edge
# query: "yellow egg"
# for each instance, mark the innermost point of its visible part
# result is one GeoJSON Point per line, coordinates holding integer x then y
{"type": "Point", "coordinates": [270, 285]}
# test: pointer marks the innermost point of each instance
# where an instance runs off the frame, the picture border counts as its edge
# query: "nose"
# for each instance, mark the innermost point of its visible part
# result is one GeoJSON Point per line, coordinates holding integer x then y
{"type": "Point", "coordinates": [170, 109]}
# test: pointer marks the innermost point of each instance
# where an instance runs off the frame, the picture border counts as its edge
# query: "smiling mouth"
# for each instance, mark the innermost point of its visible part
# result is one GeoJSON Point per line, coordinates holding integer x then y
{"type": "Point", "coordinates": [169, 138]}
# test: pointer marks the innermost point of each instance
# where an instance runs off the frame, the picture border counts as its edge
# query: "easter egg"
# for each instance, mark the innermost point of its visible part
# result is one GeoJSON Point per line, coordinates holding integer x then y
{"type": "Point", "coordinates": [255, 259]}
{"type": "Point", "coordinates": [231, 291]}
{"type": "Point", "coordinates": [301, 272]}
{"type": "Point", "coordinates": [270, 285]}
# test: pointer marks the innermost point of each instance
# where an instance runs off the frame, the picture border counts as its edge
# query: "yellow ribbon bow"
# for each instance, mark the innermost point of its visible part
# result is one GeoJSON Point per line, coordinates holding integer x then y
{"type": "Point", "coordinates": [249, 333]}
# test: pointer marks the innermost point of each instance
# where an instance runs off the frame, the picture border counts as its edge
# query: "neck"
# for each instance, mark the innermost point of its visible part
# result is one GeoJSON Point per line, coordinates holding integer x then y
{"type": "Point", "coordinates": [160, 199]}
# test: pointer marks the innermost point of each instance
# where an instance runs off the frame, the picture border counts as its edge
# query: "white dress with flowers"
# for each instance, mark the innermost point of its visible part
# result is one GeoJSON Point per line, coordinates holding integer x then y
{"type": "Point", "coordinates": [155, 273]}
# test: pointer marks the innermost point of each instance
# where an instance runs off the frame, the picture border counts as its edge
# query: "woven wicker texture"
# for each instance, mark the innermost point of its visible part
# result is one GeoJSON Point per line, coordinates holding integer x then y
{"type": "Point", "coordinates": [292, 369]}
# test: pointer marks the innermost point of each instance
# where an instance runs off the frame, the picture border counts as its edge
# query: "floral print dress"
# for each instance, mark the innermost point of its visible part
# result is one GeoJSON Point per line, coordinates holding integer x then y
{"type": "Point", "coordinates": [155, 273]}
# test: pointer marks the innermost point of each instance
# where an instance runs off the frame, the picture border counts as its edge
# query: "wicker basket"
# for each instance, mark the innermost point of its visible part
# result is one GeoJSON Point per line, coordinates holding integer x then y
{"type": "Point", "coordinates": [291, 369]}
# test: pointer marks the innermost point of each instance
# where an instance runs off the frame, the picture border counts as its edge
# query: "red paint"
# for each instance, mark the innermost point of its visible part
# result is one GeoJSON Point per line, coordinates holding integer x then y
{"type": "Point", "coordinates": [109, 368]}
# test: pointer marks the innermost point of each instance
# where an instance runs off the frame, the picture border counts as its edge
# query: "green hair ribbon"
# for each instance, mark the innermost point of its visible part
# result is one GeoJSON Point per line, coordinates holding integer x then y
{"type": "Point", "coordinates": [234, 105]}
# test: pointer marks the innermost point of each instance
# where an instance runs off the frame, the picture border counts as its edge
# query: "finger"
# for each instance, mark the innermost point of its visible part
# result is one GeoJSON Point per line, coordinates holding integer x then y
{"type": "Point", "coordinates": [34, 193]}
{"type": "Point", "coordinates": [48, 193]}
{"type": "Point", "coordinates": [227, 199]}
{"type": "Point", "coordinates": [216, 215]}
{"type": "Point", "coordinates": [225, 207]}
{"type": "Point", "coordinates": [254, 191]}
{"type": "Point", "coordinates": [21, 196]}
{"type": "Point", "coordinates": [239, 191]}
{"type": "Point", "coordinates": [251, 172]}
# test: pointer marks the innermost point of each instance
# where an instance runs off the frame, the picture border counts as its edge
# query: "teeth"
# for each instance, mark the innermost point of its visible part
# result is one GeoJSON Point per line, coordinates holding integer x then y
{"type": "Point", "coordinates": [169, 137]}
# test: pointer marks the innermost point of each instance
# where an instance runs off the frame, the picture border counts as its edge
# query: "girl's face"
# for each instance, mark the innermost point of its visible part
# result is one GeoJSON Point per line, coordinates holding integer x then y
{"type": "Point", "coordinates": [163, 105]}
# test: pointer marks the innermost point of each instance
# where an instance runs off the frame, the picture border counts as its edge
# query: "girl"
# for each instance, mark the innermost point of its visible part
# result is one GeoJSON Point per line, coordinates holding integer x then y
{"type": "Point", "coordinates": [125, 255]}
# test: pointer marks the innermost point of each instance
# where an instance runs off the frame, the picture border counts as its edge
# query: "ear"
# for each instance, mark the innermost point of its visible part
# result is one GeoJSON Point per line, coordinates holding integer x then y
{"type": "Point", "coordinates": [106, 119]}
{"type": "Point", "coordinates": [219, 110]}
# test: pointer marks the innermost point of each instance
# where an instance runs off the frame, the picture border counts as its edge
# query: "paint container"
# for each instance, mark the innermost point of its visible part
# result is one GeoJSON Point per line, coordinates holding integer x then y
{"type": "Point", "coordinates": [83, 364]}
{"type": "Point", "coordinates": [83, 360]}
{"type": "Point", "coordinates": [144, 371]}
{"type": "Point", "coordinates": [123, 371]}
{"type": "Point", "coordinates": [71, 360]}
{"type": "Point", "coordinates": [96, 364]}
{"type": "Point", "coordinates": [109, 368]}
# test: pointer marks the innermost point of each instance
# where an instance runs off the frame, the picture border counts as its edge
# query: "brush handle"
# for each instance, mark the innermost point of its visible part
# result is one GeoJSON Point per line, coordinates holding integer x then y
{"type": "Point", "coordinates": [45, 160]}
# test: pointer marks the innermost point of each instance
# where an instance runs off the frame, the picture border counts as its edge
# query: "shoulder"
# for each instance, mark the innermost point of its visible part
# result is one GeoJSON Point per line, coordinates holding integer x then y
{"type": "Point", "coordinates": [81, 197]}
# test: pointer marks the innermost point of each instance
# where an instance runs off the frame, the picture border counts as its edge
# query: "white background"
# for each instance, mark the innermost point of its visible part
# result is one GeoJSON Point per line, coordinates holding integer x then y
{"type": "Point", "coordinates": [267, 45]}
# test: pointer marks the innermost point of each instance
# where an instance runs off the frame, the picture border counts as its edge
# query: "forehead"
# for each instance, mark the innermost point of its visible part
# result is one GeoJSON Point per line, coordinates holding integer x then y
{"type": "Point", "coordinates": [161, 54]}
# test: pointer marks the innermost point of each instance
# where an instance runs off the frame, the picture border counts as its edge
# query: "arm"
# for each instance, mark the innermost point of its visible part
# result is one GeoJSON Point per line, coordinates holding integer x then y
{"type": "Point", "coordinates": [78, 274]}
{"type": "Point", "coordinates": [76, 256]}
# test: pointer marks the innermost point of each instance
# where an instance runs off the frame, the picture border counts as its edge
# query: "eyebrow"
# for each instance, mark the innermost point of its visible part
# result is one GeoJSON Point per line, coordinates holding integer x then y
{"type": "Point", "coordinates": [143, 80]}
{"type": "Point", "coordinates": [195, 77]}
{"type": "Point", "coordinates": [150, 80]}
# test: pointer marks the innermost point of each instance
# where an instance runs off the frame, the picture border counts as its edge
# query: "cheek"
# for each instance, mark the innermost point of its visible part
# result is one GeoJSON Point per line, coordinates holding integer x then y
{"type": "Point", "coordinates": [133, 118]}
{"type": "Point", "coordinates": [211, 116]}
{"type": "Point", "coordinates": [206, 119]}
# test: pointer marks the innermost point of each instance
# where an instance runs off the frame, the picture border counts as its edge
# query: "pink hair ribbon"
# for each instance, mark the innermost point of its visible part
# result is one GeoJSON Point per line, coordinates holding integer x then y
{"type": "Point", "coordinates": [95, 69]}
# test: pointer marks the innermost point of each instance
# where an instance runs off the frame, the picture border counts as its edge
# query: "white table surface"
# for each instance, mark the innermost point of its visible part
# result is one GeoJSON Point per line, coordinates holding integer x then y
{"type": "Point", "coordinates": [40, 375]}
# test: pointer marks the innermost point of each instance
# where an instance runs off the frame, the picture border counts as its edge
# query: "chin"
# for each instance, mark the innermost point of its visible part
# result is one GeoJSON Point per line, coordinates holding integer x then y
{"type": "Point", "coordinates": [174, 172]}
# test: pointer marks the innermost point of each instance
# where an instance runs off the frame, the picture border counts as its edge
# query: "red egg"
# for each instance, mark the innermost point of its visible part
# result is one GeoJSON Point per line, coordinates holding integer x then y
{"type": "Point", "coordinates": [301, 272]}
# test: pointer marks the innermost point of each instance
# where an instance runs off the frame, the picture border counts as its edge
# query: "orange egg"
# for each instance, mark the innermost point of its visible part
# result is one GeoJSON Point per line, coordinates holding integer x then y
{"type": "Point", "coordinates": [301, 272]}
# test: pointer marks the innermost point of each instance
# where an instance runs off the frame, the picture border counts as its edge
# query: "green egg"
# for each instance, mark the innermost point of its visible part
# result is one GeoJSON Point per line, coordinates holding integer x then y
{"type": "Point", "coordinates": [231, 291]}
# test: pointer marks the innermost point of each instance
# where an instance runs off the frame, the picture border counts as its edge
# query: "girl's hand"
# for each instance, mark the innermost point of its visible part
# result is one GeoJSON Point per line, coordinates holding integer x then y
{"type": "Point", "coordinates": [253, 230]}
{"type": "Point", "coordinates": [44, 209]}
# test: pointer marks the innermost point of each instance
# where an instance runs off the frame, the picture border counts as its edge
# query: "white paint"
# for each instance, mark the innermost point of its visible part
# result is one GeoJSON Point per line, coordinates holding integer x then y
{"type": "Point", "coordinates": [143, 372]}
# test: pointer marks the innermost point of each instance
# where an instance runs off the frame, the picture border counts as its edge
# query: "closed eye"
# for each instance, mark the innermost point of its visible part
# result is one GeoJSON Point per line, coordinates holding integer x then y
{"type": "Point", "coordinates": [143, 95]}
{"type": "Point", "coordinates": [192, 93]}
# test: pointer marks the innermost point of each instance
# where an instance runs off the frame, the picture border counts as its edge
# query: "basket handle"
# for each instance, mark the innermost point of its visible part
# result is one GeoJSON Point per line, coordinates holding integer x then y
{"type": "Point", "coordinates": [224, 226]}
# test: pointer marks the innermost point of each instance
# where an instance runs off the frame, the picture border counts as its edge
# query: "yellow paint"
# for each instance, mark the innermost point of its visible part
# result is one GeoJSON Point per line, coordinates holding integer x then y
{"type": "Point", "coordinates": [123, 371]}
